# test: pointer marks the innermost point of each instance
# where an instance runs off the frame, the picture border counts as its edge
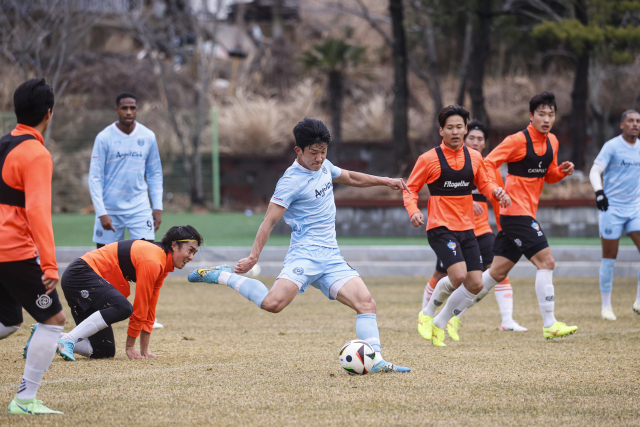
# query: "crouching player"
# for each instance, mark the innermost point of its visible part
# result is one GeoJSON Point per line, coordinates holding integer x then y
{"type": "Point", "coordinates": [304, 196]}
{"type": "Point", "coordinates": [96, 286]}
{"type": "Point", "coordinates": [475, 139]}
{"type": "Point", "coordinates": [451, 171]}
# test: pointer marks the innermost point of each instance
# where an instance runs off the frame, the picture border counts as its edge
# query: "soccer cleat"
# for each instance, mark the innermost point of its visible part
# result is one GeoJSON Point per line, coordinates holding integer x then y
{"type": "Point", "coordinates": [26, 346]}
{"type": "Point", "coordinates": [558, 330]}
{"type": "Point", "coordinates": [209, 275]}
{"type": "Point", "coordinates": [384, 366]}
{"type": "Point", "coordinates": [29, 407]}
{"type": "Point", "coordinates": [452, 328]}
{"type": "Point", "coordinates": [607, 313]}
{"type": "Point", "coordinates": [157, 325]}
{"type": "Point", "coordinates": [425, 324]}
{"type": "Point", "coordinates": [65, 349]}
{"type": "Point", "coordinates": [437, 337]}
{"type": "Point", "coordinates": [512, 327]}
{"type": "Point", "coordinates": [636, 307]}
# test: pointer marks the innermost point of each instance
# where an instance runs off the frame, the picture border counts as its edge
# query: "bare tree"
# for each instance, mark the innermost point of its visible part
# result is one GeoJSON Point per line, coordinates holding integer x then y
{"type": "Point", "coordinates": [183, 37]}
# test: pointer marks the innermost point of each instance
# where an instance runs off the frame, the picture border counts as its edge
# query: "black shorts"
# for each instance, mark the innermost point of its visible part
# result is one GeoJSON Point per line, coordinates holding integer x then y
{"type": "Point", "coordinates": [485, 242]}
{"type": "Point", "coordinates": [455, 246]}
{"type": "Point", "coordinates": [520, 235]}
{"type": "Point", "coordinates": [86, 292]}
{"type": "Point", "coordinates": [21, 287]}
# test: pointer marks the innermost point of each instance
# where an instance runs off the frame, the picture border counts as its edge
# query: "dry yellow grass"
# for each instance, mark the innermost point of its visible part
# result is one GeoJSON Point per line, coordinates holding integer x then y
{"type": "Point", "coordinates": [228, 363]}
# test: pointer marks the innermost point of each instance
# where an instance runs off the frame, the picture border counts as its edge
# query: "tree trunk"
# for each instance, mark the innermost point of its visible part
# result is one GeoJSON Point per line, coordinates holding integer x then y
{"type": "Point", "coordinates": [479, 56]}
{"type": "Point", "coordinates": [464, 66]}
{"type": "Point", "coordinates": [335, 90]}
{"type": "Point", "coordinates": [277, 23]}
{"type": "Point", "coordinates": [579, 97]}
{"type": "Point", "coordinates": [436, 92]}
{"type": "Point", "coordinates": [400, 86]}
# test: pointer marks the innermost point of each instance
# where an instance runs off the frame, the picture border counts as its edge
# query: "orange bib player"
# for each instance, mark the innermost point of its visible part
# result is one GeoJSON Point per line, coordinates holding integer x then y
{"type": "Point", "coordinates": [532, 160]}
{"type": "Point", "coordinates": [96, 286]}
{"type": "Point", "coordinates": [476, 139]}
{"type": "Point", "coordinates": [451, 171]}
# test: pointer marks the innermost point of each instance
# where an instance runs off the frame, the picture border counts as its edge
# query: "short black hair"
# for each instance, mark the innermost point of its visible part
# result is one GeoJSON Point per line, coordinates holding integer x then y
{"type": "Point", "coordinates": [310, 131]}
{"type": "Point", "coordinates": [452, 110]}
{"type": "Point", "coordinates": [543, 98]}
{"type": "Point", "coordinates": [476, 125]}
{"type": "Point", "coordinates": [124, 95]}
{"type": "Point", "coordinates": [626, 113]}
{"type": "Point", "coordinates": [186, 232]}
{"type": "Point", "coordinates": [31, 101]}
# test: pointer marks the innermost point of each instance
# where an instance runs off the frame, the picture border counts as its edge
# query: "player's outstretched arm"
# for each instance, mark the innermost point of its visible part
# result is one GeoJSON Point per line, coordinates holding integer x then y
{"type": "Point", "coordinates": [357, 179]}
{"type": "Point", "coordinates": [271, 218]}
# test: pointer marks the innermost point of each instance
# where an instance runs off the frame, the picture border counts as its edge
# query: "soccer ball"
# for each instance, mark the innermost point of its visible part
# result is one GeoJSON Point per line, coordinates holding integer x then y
{"type": "Point", "coordinates": [356, 357]}
{"type": "Point", "coordinates": [255, 271]}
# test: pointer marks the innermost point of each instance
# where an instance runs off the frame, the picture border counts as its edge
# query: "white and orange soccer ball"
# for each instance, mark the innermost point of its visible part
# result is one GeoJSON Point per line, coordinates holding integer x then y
{"type": "Point", "coordinates": [356, 357]}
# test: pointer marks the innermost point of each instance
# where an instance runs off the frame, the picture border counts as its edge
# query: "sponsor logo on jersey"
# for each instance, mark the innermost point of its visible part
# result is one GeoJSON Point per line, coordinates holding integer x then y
{"type": "Point", "coordinates": [299, 271]}
{"type": "Point", "coordinates": [451, 245]}
{"type": "Point", "coordinates": [278, 198]}
{"type": "Point", "coordinates": [623, 163]}
{"type": "Point", "coordinates": [129, 154]}
{"type": "Point", "coordinates": [452, 184]}
{"type": "Point", "coordinates": [44, 301]}
{"type": "Point", "coordinates": [535, 226]}
{"type": "Point", "coordinates": [518, 242]}
{"type": "Point", "coordinates": [84, 293]}
{"type": "Point", "coordinates": [323, 190]}
{"type": "Point", "coordinates": [539, 169]}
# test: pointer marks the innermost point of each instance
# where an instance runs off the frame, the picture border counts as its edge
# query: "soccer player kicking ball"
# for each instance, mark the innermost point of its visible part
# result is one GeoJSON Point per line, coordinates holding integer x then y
{"type": "Point", "coordinates": [451, 172]}
{"type": "Point", "coordinates": [532, 159]}
{"type": "Point", "coordinates": [475, 139]}
{"type": "Point", "coordinates": [619, 201]}
{"type": "Point", "coordinates": [304, 196]}
{"type": "Point", "coordinates": [25, 226]}
{"type": "Point", "coordinates": [96, 286]}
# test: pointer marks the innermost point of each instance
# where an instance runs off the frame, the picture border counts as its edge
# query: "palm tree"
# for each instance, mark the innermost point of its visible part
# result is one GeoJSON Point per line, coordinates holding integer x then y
{"type": "Point", "coordinates": [334, 57]}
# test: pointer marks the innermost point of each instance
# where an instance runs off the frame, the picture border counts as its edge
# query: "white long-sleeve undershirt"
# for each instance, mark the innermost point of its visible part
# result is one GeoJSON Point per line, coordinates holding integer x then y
{"type": "Point", "coordinates": [595, 176]}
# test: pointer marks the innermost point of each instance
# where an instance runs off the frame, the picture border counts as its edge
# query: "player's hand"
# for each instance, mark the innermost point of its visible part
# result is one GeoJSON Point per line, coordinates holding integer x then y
{"type": "Point", "coordinates": [105, 221]}
{"type": "Point", "coordinates": [245, 264]}
{"type": "Point", "coordinates": [477, 209]}
{"type": "Point", "coordinates": [567, 167]}
{"type": "Point", "coordinates": [398, 184]}
{"type": "Point", "coordinates": [417, 219]}
{"type": "Point", "coordinates": [132, 353]}
{"type": "Point", "coordinates": [157, 219]}
{"type": "Point", "coordinates": [49, 284]}
{"type": "Point", "coordinates": [502, 196]}
{"type": "Point", "coordinates": [147, 354]}
{"type": "Point", "coordinates": [601, 201]}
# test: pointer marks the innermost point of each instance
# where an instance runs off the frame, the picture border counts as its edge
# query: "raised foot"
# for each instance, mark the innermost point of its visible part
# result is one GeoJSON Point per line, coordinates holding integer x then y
{"type": "Point", "coordinates": [209, 275]}
{"type": "Point", "coordinates": [452, 328]}
{"type": "Point", "coordinates": [425, 323]}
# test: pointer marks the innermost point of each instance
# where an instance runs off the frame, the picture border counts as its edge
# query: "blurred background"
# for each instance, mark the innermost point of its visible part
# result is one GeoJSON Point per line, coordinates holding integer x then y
{"type": "Point", "coordinates": [223, 82]}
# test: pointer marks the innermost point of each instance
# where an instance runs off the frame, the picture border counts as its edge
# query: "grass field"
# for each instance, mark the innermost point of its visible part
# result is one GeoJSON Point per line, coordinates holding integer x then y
{"type": "Point", "coordinates": [228, 363]}
{"type": "Point", "coordinates": [237, 229]}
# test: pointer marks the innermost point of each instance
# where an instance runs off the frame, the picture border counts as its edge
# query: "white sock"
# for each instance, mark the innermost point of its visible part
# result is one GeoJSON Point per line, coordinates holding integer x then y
{"type": "Point", "coordinates": [83, 348]}
{"type": "Point", "coordinates": [41, 350]}
{"type": "Point", "coordinates": [459, 301]}
{"type": "Point", "coordinates": [443, 289]}
{"type": "Point", "coordinates": [504, 297]}
{"type": "Point", "coordinates": [606, 299]}
{"type": "Point", "coordinates": [86, 328]}
{"type": "Point", "coordinates": [5, 331]}
{"type": "Point", "coordinates": [545, 293]}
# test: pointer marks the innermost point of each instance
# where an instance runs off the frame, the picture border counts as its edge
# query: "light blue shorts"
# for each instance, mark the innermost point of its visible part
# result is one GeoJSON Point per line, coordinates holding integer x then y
{"type": "Point", "coordinates": [615, 219]}
{"type": "Point", "coordinates": [318, 266]}
{"type": "Point", "coordinates": [140, 226]}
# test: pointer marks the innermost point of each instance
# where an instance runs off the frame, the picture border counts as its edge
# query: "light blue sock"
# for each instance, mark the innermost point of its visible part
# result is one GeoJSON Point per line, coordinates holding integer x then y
{"type": "Point", "coordinates": [606, 275]}
{"type": "Point", "coordinates": [367, 330]}
{"type": "Point", "coordinates": [252, 289]}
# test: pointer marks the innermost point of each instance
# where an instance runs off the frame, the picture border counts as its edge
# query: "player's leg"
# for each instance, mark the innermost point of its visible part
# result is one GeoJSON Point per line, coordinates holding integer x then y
{"type": "Point", "coordinates": [252, 289]}
{"type": "Point", "coordinates": [355, 294]}
{"type": "Point", "coordinates": [10, 313]}
{"type": "Point", "coordinates": [23, 281]}
{"type": "Point", "coordinates": [425, 323]}
{"type": "Point", "coordinates": [610, 226]}
{"type": "Point", "coordinates": [635, 236]}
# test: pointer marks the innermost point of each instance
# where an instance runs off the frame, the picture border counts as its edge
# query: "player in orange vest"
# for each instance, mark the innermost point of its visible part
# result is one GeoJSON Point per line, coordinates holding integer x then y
{"type": "Point", "coordinates": [476, 139]}
{"type": "Point", "coordinates": [532, 159]}
{"type": "Point", "coordinates": [451, 171]}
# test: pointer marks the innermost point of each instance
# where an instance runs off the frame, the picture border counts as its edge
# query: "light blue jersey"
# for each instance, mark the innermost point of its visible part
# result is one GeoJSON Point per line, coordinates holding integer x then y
{"type": "Point", "coordinates": [119, 163]}
{"type": "Point", "coordinates": [311, 207]}
{"type": "Point", "coordinates": [621, 173]}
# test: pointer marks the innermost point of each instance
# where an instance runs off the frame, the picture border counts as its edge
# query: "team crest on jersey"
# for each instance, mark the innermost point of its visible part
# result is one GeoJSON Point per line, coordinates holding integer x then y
{"type": "Point", "coordinates": [84, 293]}
{"type": "Point", "coordinates": [324, 169]}
{"type": "Point", "coordinates": [535, 226]}
{"type": "Point", "coordinates": [141, 142]}
{"type": "Point", "coordinates": [99, 233]}
{"type": "Point", "coordinates": [451, 245]}
{"type": "Point", "coordinates": [44, 301]}
{"type": "Point", "coordinates": [299, 271]}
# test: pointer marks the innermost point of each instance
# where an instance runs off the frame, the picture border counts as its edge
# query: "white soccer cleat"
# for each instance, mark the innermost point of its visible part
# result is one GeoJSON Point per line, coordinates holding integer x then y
{"type": "Point", "coordinates": [157, 325]}
{"type": "Point", "coordinates": [607, 313]}
{"type": "Point", "coordinates": [512, 327]}
{"type": "Point", "coordinates": [636, 307]}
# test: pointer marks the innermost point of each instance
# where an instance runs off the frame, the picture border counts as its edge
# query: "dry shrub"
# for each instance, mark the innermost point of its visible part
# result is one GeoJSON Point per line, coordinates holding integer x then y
{"type": "Point", "coordinates": [70, 192]}
{"type": "Point", "coordinates": [370, 121]}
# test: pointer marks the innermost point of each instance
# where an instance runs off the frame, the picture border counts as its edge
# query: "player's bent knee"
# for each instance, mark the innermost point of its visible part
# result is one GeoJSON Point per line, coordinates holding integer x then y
{"type": "Point", "coordinates": [103, 352]}
{"type": "Point", "coordinates": [58, 319]}
{"type": "Point", "coordinates": [457, 278]}
{"type": "Point", "coordinates": [548, 263]}
{"type": "Point", "coordinates": [273, 306]}
{"type": "Point", "coordinates": [367, 305]}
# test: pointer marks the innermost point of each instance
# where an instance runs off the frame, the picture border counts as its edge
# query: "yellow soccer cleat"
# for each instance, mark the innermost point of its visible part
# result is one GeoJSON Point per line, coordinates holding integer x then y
{"type": "Point", "coordinates": [30, 407]}
{"type": "Point", "coordinates": [437, 337]}
{"type": "Point", "coordinates": [452, 328]}
{"type": "Point", "coordinates": [558, 330]}
{"type": "Point", "coordinates": [424, 326]}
